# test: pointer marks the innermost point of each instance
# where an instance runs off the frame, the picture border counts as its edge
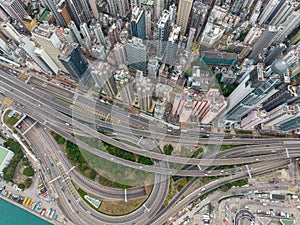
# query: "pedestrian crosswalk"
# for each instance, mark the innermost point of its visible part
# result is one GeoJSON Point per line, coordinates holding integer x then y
{"type": "Point", "coordinates": [89, 111]}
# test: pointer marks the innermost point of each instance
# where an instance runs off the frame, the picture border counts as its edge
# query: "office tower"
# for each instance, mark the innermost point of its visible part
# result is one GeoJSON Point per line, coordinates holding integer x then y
{"type": "Point", "coordinates": [290, 124]}
{"type": "Point", "coordinates": [43, 56]}
{"type": "Point", "coordinates": [184, 9]}
{"type": "Point", "coordinates": [113, 35]}
{"type": "Point", "coordinates": [279, 115]}
{"type": "Point", "coordinates": [281, 13]}
{"type": "Point", "coordinates": [51, 5]}
{"type": "Point", "coordinates": [138, 24]}
{"type": "Point", "coordinates": [282, 96]}
{"type": "Point", "coordinates": [211, 34]}
{"type": "Point", "coordinates": [172, 10]}
{"type": "Point", "coordinates": [273, 53]}
{"type": "Point", "coordinates": [119, 54]}
{"type": "Point", "coordinates": [268, 10]}
{"type": "Point", "coordinates": [172, 46]}
{"type": "Point", "coordinates": [159, 7]}
{"type": "Point", "coordinates": [85, 31]}
{"type": "Point", "coordinates": [82, 10]}
{"type": "Point", "coordinates": [15, 9]}
{"type": "Point", "coordinates": [125, 84]}
{"type": "Point", "coordinates": [260, 84]}
{"type": "Point", "coordinates": [256, 12]}
{"type": "Point", "coordinates": [144, 88]}
{"type": "Point", "coordinates": [99, 35]}
{"type": "Point", "coordinates": [136, 54]}
{"type": "Point", "coordinates": [135, 3]}
{"type": "Point", "coordinates": [153, 67]}
{"type": "Point", "coordinates": [190, 39]}
{"type": "Point", "coordinates": [71, 56]}
{"type": "Point", "coordinates": [162, 34]}
{"type": "Point", "coordinates": [48, 39]}
{"type": "Point", "coordinates": [287, 27]}
{"type": "Point", "coordinates": [62, 9]}
{"type": "Point", "coordinates": [28, 46]}
{"type": "Point", "coordinates": [148, 23]}
{"type": "Point", "coordinates": [10, 32]}
{"type": "Point", "coordinates": [75, 32]}
{"type": "Point", "coordinates": [263, 42]}
{"type": "Point", "coordinates": [104, 78]}
{"type": "Point", "coordinates": [94, 8]}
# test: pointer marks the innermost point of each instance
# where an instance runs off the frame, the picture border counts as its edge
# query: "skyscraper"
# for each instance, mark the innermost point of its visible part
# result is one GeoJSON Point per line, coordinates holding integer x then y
{"type": "Point", "coordinates": [190, 39]}
{"type": "Point", "coordinates": [51, 5]}
{"type": "Point", "coordinates": [104, 78]}
{"type": "Point", "coordinates": [94, 8]}
{"type": "Point", "coordinates": [122, 8]}
{"type": "Point", "coordinates": [261, 84]}
{"type": "Point", "coordinates": [119, 54]}
{"type": "Point", "coordinates": [172, 46]}
{"type": "Point", "coordinates": [125, 84]}
{"type": "Point", "coordinates": [15, 9]}
{"type": "Point", "coordinates": [268, 10]}
{"type": "Point", "coordinates": [113, 35]}
{"type": "Point", "coordinates": [136, 54]}
{"type": "Point", "coordinates": [162, 34]}
{"type": "Point", "coordinates": [144, 90]}
{"type": "Point", "coordinates": [71, 56]}
{"type": "Point", "coordinates": [46, 37]}
{"type": "Point", "coordinates": [198, 15]}
{"type": "Point", "coordinates": [99, 35]}
{"type": "Point", "coordinates": [183, 14]}
{"type": "Point", "coordinates": [292, 21]}
{"type": "Point", "coordinates": [159, 7]}
{"type": "Point", "coordinates": [138, 24]}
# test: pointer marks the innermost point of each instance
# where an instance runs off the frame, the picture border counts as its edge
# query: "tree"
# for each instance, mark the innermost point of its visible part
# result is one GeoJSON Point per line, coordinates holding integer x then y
{"type": "Point", "coordinates": [21, 186]}
{"type": "Point", "coordinates": [28, 171]}
{"type": "Point", "coordinates": [27, 182]}
{"type": "Point", "coordinates": [168, 149]}
{"type": "Point", "coordinates": [92, 174]}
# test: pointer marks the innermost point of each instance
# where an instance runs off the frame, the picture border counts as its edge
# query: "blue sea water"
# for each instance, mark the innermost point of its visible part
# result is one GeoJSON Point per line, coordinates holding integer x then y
{"type": "Point", "coordinates": [14, 215]}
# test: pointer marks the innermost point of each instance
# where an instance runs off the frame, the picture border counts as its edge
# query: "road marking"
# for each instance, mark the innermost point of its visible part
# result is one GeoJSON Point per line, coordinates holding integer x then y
{"type": "Point", "coordinates": [28, 129]}
{"type": "Point", "coordinates": [146, 209]}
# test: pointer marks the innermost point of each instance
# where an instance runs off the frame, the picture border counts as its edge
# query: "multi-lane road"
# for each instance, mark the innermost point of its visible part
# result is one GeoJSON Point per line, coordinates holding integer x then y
{"type": "Point", "coordinates": [58, 115]}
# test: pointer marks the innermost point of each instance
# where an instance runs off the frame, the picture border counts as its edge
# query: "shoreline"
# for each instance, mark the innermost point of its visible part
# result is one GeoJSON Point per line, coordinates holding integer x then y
{"type": "Point", "coordinates": [28, 210]}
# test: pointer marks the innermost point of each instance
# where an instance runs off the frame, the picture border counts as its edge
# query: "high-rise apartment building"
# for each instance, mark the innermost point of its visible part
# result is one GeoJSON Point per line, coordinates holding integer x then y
{"type": "Point", "coordinates": [119, 54]}
{"type": "Point", "coordinates": [190, 39]}
{"type": "Point", "coordinates": [99, 35]}
{"type": "Point", "coordinates": [162, 34]}
{"type": "Point", "coordinates": [125, 84]}
{"type": "Point", "coordinates": [144, 89]}
{"type": "Point", "coordinates": [268, 10]}
{"type": "Point", "coordinates": [184, 9]}
{"type": "Point", "coordinates": [104, 78]}
{"type": "Point", "coordinates": [172, 46]}
{"type": "Point", "coordinates": [159, 7]}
